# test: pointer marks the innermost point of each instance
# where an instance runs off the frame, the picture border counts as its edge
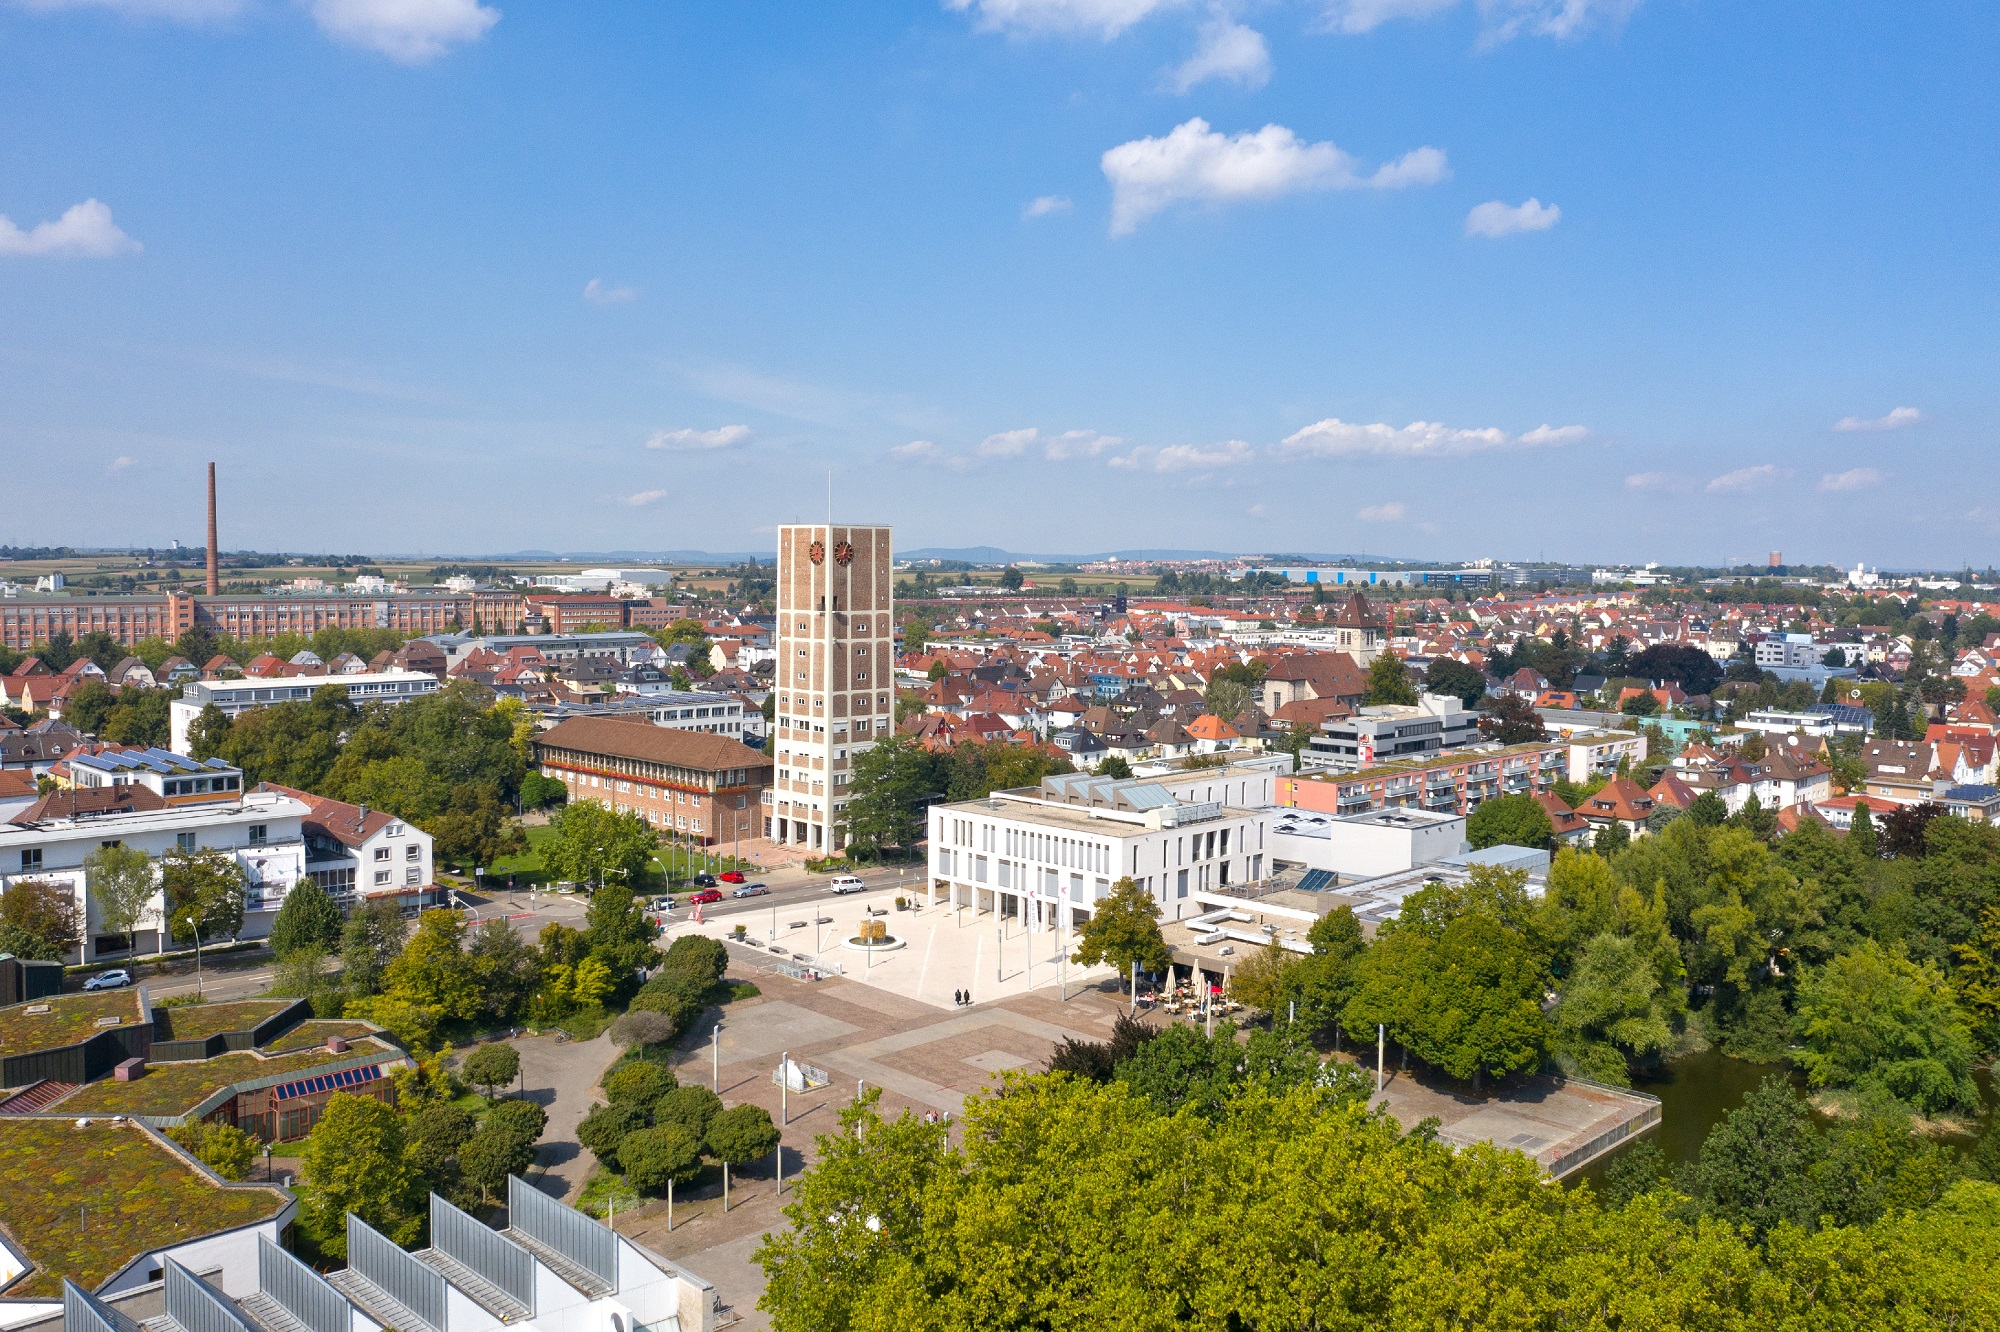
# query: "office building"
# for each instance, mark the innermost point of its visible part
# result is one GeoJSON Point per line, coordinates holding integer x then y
{"type": "Point", "coordinates": [835, 676]}
{"type": "Point", "coordinates": [1044, 854]}
{"type": "Point", "coordinates": [702, 788]}
{"type": "Point", "coordinates": [29, 619]}
{"type": "Point", "coordinates": [236, 697]}
{"type": "Point", "coordinates": [175, 778]}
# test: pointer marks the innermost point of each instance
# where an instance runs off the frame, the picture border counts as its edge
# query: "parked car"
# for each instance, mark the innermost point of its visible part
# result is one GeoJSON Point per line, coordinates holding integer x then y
{"type": "Point", "coordinates": [109, 980]}
{"type": "Point", "coordinates": [661, 904]}
{"type": "Point", "coordinates": [731, 876]}
{"type": "Point", "coordinates": [703, 881]}
{"type": "Point", "coordinates": [705, 896]}
{"type": "Point", "coordinates": [752, 890]}
{"type": "Point", "coordinates": [845, 883]}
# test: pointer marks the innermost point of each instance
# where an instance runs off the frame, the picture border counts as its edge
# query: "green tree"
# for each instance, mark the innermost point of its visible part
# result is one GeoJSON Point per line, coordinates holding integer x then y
{"type": "Point", "coordinates": [892, 783]}
{"type": "Point", "coordinates": [1708, 810]}
{"type": "Point", "coordinates": [223, 1148]}
{"type": "Point", "coordinates": [640, 1083]}
{"type": "Point", "coordinates": [693, 1108]}
{"type": "Point", "coordinates": [432, 973]}
{"type": "Point", "coordinates": [1114, 767]}
{"type": "Point", "coordinates": [1614, 1014]}
{"type": "Point", "coordinates": [1509, 719]}
{"type": "Point", "coordinates": [433, 1132]}
{"type": "Point", "coordinates": [606, 1127]}
{"type": "Point", "coordinates": [1389, 681]}
{"type": "Point", "coordinates": [1512, 820]}
{"type": "Point", "coordinates": [1446, 675]}
{"type": "Point", "coordinates": [1123, 929]}
{"type": "Point", "coordinates": [493, 1153]}
{"type": "Point", "coordinates": [473, 829]}
{"type": "Point", "coordinates": [505, 969]}
{"type": "Point", "coordinates": [590, 841]}
{"type": "Point", "coordinates": [739, 1135]}
{"type": "Point", "coordinates": [355, 1161]}
{"type": "Point", "coordinates": [655, 1159]}
{"type": "Point", "coordinates": [1261, 982]}
{"type": "Point", "coordinates": [1861, 832]}
{"type": "Point", "coordinates": [369, 941]}
{"type": "Point", "coordinates": [1227, 698]}
{"type": "Point", "coordinates": [1872, 1017]}
{"type": "Point", "coordinates": [620, 934]}
{"type": "Point", "coordinates": [495, 1064]}
{"type": "Point", "coordinates": [122, 880]}
{"type": "Point", "coordinates": [204, 894]}
{"type": "Point", "coordinates": [39, 920]}
{"type": "Point", "coordinates": [1757, 1166]}
{"type": "Point", "coordinates": [308, 919]}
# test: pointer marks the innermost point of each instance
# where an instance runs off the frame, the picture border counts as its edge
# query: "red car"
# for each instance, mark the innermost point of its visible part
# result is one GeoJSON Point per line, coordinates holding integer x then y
{"type": "Point", "coordinates": [705, 896]}
{"type": "Point", "coordinates": [731, 876]}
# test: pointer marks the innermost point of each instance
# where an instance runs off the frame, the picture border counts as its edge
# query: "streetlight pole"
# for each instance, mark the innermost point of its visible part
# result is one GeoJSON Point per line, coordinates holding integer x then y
{"type": "Point", "coordinates": [715, 1054]}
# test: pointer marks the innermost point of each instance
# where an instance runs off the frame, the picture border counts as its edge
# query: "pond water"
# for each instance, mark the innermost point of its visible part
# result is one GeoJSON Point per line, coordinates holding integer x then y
{"type": "Point", "coordinates": [1697, 1090]}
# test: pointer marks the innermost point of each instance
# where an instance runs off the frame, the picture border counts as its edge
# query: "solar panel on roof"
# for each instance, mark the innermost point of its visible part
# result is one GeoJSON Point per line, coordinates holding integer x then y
{"type": "Point", "coordinates": [1316, 881]}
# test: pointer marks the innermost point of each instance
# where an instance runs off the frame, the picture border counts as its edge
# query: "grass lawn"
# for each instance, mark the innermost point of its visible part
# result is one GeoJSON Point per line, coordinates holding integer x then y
{"type": "Point", "coordinates": [135, 1194]}
{"type": "Point", "coordinates": [71, 1018]}
{"type": "Point", "coordinates": [196, 1021]}
{"type": "Point", "coordinates": [174, 1089]}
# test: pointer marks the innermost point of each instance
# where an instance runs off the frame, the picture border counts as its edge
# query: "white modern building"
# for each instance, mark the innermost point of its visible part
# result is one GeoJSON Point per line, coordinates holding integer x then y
{"type": "Point", "coordinates": [175, 778]}
{"type": "Point", "coordinates": [1435, 724]}
{"type": "Point", "coordinates": [262, 832]}
{"type": "Point", "coordinates": [359, 854]}
{"type": "Point", "coordinates": [1595, 752]}
{"type": "Point", "coordinates": [675, 709]}
{"type": "Point", "coordinates": [1376, 841]}
{"type": "Point", "coordinates": [1044, 854]}
{"type": "Point", "coordinates": [236, 697]}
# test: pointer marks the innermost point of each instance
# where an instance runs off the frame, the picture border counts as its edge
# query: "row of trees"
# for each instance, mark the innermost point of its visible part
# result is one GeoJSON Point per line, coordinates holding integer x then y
{"type": "Point", "coordinates": [897, 779]}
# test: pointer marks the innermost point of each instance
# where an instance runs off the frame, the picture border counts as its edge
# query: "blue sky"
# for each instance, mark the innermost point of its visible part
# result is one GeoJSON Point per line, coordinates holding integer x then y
{"type": "Point", "coordinates": [455, 276]}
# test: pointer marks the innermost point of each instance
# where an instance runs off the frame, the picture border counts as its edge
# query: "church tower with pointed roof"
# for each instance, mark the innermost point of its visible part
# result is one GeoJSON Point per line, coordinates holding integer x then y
{"type": "Point", "coordinates": [1358, 630]}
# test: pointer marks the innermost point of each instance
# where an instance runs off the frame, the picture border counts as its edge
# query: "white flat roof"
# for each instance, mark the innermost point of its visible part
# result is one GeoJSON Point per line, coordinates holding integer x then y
{"type": "Point", "coordinates": [254, 807]}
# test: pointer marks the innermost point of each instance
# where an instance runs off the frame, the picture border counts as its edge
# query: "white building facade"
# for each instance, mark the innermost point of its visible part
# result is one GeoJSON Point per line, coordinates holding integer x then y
{"type": "Point", "coordinates": [1047, 856]}
{"type": "Point", "coordinates": [262, 833]}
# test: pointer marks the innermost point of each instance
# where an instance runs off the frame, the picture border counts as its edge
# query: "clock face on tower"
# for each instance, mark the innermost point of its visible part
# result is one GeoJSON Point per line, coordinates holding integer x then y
{"type": "Point", "coordinates": [843, 553]}
{"type": "Point", "coordinates": [817, 552]}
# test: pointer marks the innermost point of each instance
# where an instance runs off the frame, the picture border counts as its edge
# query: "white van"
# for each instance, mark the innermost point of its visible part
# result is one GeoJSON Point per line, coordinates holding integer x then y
{"type": "Point", "coordinates": [845, 883]}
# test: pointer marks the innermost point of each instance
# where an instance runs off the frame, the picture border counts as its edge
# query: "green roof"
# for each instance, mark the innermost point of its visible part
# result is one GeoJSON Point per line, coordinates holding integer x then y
{"type": "Point", "coordinates": [69, 1018]}
{"type": "Point", "coordinates": [314, 1032]}
{"type": "Point", "coordinates": [135, 1194]}
{"type": "Point", "coordinates": [196, 1021]}
{"type": "Point", "coordinates": [168, 1091]}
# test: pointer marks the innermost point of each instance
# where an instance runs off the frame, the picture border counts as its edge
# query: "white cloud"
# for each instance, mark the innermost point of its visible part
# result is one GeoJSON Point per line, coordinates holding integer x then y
{"type": "Point", "coordinates": [1102, 18]}
{"type": "Point", "coordinates": [184, 11]}
{"type": "Point", "coordinates": [1187, 457]}
{"type": "Point", "coordinates": [86, 231]}
{"type": "Point", "coordinates": [643, 498]}
{"type": "Point", "coordinates": [410, 31]}
{"type": "Point", "coordinates": [1008, 443]}
{"type": "Point", "coordinates": [1854, 478]}
{"type": "Point", "coordinates": [1077, 444]}
{"type": "Point", "coordinates": [1367, 15]}
{"type": "Point", "coordinates": [1895, 420]}
{"type": "Point", "coordinates": [1196, 163]}
{"type": "Point", "coordinates": [1502, 219]}
{"type": "Point", "coordinates": [1560, 19]}
{"type": "Point", "coordinates": [1227, 51]}
{"type": "Point", "coordinates": [597, 293]}
{"type": "Point", "coordinates": [119, 464]}
{"type": "Point", "coordinates": [1256, 511]}
{"type": "Point", "coordinates": [699, 441]}
{"type": "Point", "coordinates": [1335, 438]}
{"type": "Point", "coordinates": [1743, 480]}
{"type": "Point", "coordinates": [1391, 512]}
{"type": "Point", "coordinates": [1046, 205]}
{"type": "Point", "coordinates": [1653, 481]}
{"type": "Point", "coordinates": [917, 450]}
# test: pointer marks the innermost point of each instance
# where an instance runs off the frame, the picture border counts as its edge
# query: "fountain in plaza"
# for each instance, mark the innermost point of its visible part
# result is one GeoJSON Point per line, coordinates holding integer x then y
{"type": "Point", "coordinates": [874, 938]}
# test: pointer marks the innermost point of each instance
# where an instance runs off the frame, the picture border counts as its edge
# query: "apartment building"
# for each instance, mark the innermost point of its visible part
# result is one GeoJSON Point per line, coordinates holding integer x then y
{"type": "Point", "coordinates": [704, 788]}
{"type": "Point", "coordinates": [1046, 855]}
{"type": "Point", "coordinates": [834, 677]}
{"type": "Point", "coordinates": [175, 778]}
{"type": "Point", "coordinates": [1436, 723]}
{"type": "Point", "coordinates": [262, 832]}
{"type": "Point", "coordinates": [236, 697]}
{"type": "Point", "coordinates": [360, 854]}
{"type": "Point", "coordinates": [678, 709]}
{"type": "Point", "coordinates": [1453, 783]}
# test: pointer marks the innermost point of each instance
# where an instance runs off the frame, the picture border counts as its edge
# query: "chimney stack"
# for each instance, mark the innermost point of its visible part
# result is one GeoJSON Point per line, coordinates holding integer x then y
{"type": "Point", "coordinates": [214, 570]}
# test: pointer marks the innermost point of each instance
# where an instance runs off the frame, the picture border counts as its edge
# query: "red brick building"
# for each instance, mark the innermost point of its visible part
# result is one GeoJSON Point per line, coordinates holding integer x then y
{"type": "Point", "coordinates": [707, 788]}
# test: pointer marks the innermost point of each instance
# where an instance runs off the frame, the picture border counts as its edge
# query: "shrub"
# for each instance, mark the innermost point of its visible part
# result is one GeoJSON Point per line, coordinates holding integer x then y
{"type": "Point", "coordinates": [517, 1116]}
{"type": "Point", "coordinates": [638, 1083]}
{"type": "Point", "coordinates": [605, 1127]}
{"type": "Point", "coordinates": [693, 1108]}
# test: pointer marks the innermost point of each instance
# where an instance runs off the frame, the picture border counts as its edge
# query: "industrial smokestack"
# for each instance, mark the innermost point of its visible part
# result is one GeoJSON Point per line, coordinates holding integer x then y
{"type": "Point", "coordinates": [214, 570]}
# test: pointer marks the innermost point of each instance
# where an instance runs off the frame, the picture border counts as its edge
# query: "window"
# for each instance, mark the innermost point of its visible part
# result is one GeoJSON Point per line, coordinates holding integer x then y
{"type": "Point", "coordinates": [381, 853]}
{"type": "Point", "coordinates": [413, 852]}
{"type": "Point", "coordinates": [31, 860]}
{"type": "Point", "coordinates": [381, 878]}
{"type": "Point", "coordinates": [394, 830]}
{"type": "Point", "coordinates": [258, 833]}
{"type": "Point", "coordinates": [184, 841]}
{"type": "Point", "coordinates": [410, 876]}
